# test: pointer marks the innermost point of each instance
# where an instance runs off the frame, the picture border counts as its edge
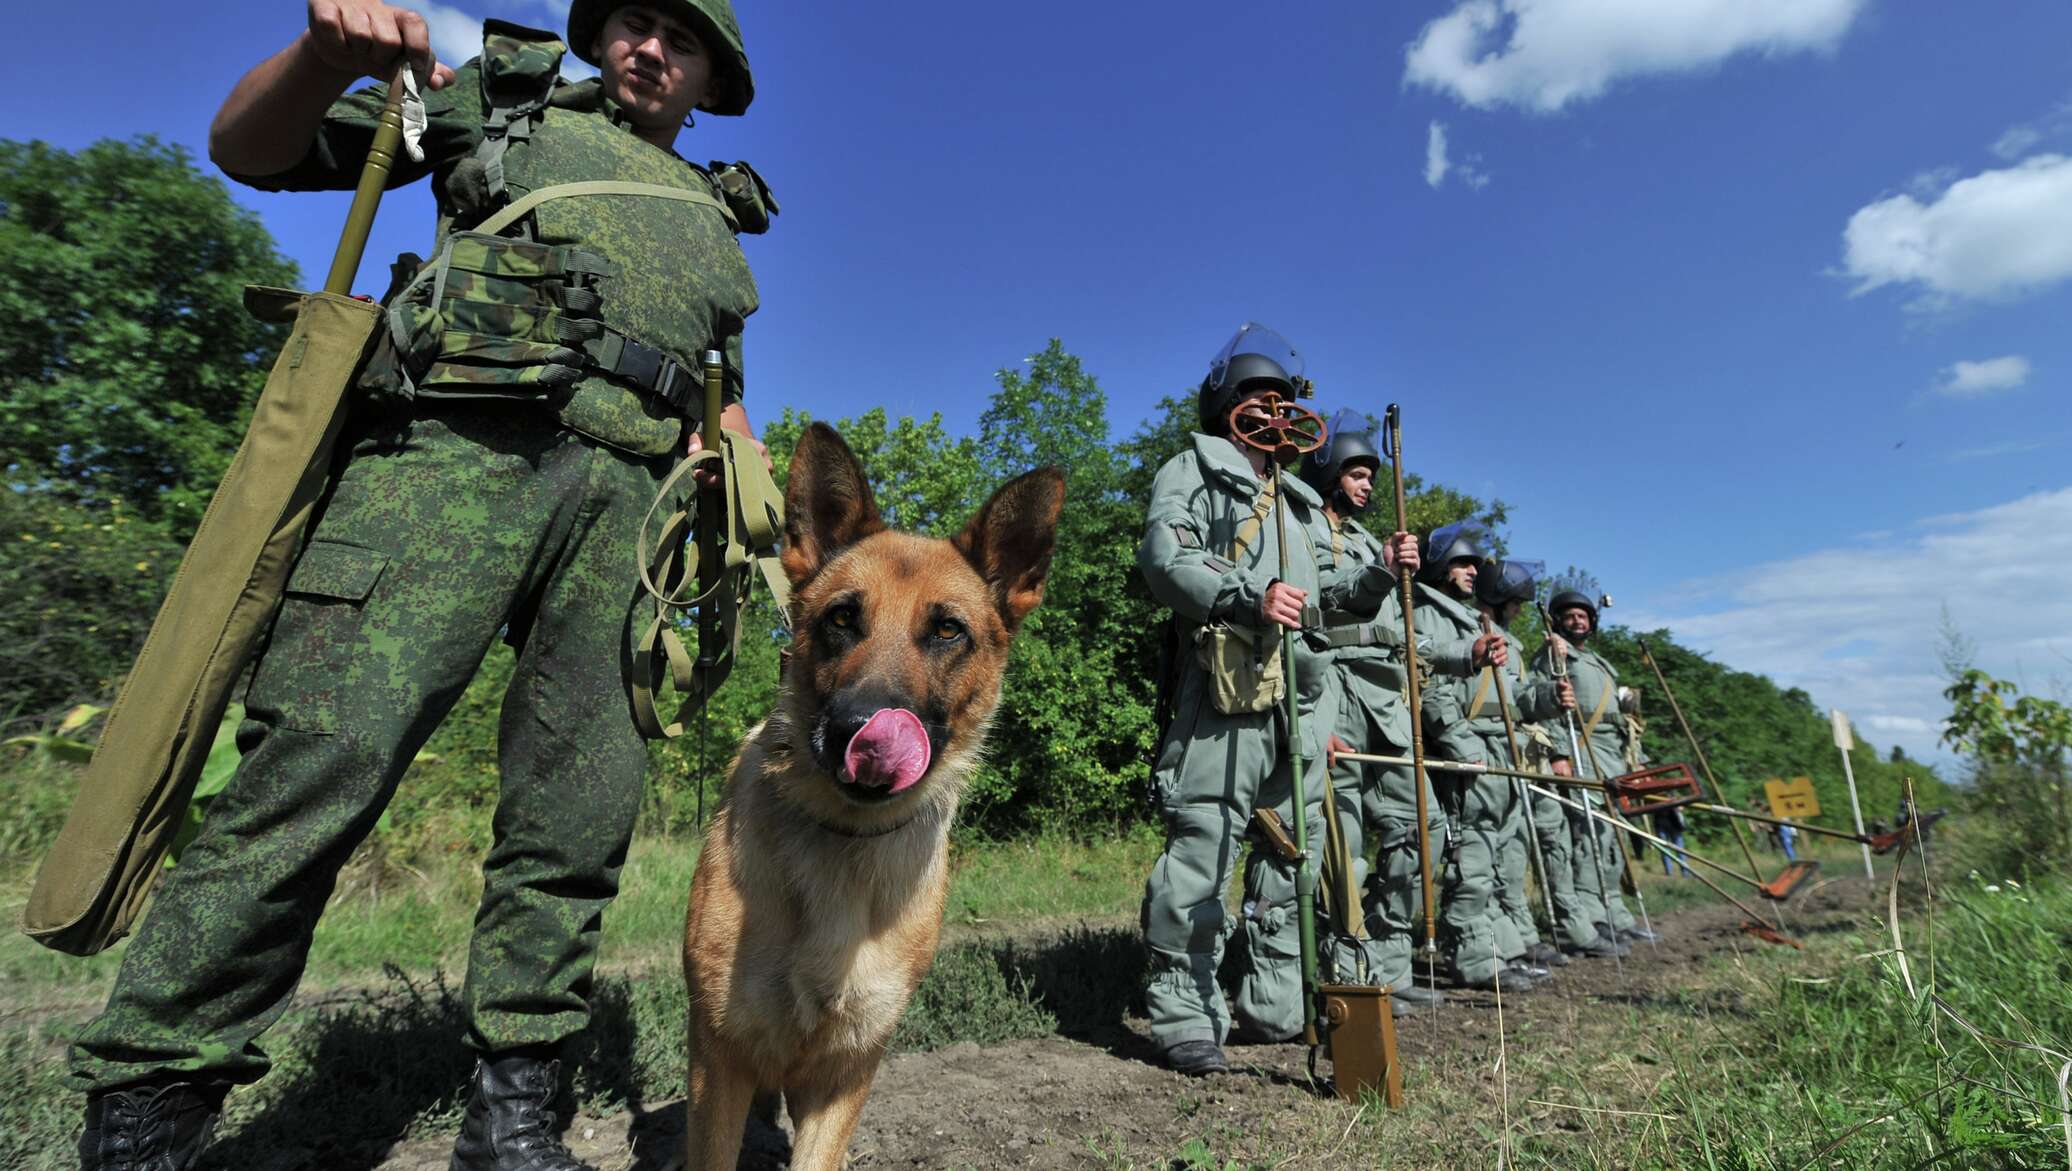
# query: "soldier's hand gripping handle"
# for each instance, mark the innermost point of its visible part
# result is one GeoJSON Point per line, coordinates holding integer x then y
{"type": "Point", "coordinates": [367, 38]}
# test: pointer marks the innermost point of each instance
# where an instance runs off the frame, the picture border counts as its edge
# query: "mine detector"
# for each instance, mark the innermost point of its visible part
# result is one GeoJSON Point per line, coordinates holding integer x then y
{"type": "Point", "coordinates": [99, 873]}
{"type": "Point", "coordinates": [1348, 1021]}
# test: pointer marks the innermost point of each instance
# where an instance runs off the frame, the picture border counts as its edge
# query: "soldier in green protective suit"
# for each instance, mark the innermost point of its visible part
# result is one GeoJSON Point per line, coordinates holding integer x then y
{"type": "Point", "coordinates": [1464, 723]}
{"type": "Point", "coordinates": [1502, 590]}
{"type": "Point", "coordinates": [1374, 716]}
{"type": "Point", "coordinates": [1601, 738]}
{"type": "Point", "coordinates": [534, 391]}
{"type": "Point", "coordinates": [1210, 553]}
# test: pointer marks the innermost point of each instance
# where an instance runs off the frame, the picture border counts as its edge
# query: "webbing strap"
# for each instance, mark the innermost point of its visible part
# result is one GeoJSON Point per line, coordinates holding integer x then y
{"type": "Point", "coordinates": [518, 209]}
{"type": "Point", "coordinates": [669, 573]}
{"type": "Point", "coordinates": [1248, 528]}
{"type": "Point", "coordinates": [1482, 691]}
{"type": "Point", "coordinates": [1596, 713]}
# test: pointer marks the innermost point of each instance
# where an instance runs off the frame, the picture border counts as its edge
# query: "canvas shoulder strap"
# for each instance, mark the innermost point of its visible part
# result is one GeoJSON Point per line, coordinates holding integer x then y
{"type": "Point", "coordinates": [1597, 713]}
{"type": "Point", "coordinates": [520, 68]}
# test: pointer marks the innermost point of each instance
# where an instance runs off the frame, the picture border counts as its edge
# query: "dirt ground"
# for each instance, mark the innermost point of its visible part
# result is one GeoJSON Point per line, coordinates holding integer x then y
{"type": "Point", "coordinates": [1101, 1101]}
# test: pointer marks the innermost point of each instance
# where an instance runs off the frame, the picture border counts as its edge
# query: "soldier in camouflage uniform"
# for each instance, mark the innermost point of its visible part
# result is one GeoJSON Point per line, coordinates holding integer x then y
{"type": "Point", "coordinates": [1374, 715]}
{"type": "Point", "coordinates": [1209, 552]}
{"type": "Point", "coordinates": [1464, 723]}
{"type": "Point", "coordinates": [1601, 736]}
{"type": "Point", "coordinates": [536, 391]}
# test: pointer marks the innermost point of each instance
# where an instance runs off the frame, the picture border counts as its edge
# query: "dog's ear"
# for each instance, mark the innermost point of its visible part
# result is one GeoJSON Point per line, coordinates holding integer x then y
{"type": "Point", "coordinates": [1010, 541]}
{"type": "Point", "coordinates": [827, 503]}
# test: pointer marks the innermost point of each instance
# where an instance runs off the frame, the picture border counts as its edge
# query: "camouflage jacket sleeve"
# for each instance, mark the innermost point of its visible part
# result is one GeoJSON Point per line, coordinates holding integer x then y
{"type": "Point", "coordinates": [1182, 572]}
{"type": "Point", "coordinates": [453, 128]}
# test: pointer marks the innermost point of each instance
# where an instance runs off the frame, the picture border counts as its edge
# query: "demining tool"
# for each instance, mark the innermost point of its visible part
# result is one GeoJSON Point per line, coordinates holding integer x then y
{"type": "Point", "coordinates": [1349, 1021]}
{"type": "Point", "coordinates": [132, 800]}
{"type": "Point", "coordinates": [1413, 691]}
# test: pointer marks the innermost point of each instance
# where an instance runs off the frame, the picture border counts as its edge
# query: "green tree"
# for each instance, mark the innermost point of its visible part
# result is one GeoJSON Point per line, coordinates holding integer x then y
{"type": "Point", "coordinates": [127, 360]}
{"type": "Point", "coordinates": [2019, 743]}
{"type": "Point", "coordinates": [1075, 726]}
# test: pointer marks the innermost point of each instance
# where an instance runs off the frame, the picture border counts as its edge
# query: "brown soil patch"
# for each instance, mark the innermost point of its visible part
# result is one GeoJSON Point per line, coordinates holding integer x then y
{"type": "Point", "coordinates": [1596, 1042]}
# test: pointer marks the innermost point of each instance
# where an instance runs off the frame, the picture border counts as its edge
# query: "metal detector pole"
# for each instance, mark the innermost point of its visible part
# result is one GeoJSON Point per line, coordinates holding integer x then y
{"type": "Point", "coordinates": [1739, 835]}
{"type": "Point", "coordinates": [1392, 440]}
{"type": "Point", "coordinates": [1532, 832]}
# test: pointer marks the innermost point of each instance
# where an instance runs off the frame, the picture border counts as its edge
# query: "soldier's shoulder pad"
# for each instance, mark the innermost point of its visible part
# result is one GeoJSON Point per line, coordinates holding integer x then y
{"type": "Point", "coordinates": [519, 64]}
{"type": "Point", "coordinates": [747, 194]}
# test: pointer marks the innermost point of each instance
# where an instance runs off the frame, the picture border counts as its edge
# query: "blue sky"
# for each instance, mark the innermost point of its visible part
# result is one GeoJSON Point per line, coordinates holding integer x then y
{"type": "Point", "coordinates": [1754, 308]}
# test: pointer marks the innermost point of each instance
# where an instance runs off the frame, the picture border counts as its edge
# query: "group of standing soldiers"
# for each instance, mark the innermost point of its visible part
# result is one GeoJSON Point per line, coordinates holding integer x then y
{"type": "Point", "coordinates": [1223, 778]}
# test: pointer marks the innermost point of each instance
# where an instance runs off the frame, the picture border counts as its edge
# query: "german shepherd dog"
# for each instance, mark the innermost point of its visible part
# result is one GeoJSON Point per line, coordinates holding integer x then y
{"type": "Point", "coordinates": [818, 897]}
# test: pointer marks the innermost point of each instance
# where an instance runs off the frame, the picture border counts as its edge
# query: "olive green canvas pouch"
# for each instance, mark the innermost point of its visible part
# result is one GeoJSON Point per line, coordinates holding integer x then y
{"type": "Point", "coordinates": [134, 793]}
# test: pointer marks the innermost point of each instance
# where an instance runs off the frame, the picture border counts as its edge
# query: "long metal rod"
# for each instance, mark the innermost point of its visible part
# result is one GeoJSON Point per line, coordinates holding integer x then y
{"type": "Point", "coordinates": [1618, 824]}
{"type": "Point", "coordinates": [712, 519]}
{"type": "Point", "coordinates": [359, 220]}
{"type": "Point", "coordinates": [1532, 835]}
{"type": "Point", "coordinates": [1729, 811]}
{"type": "Point", "coordinates": [1696, 751]}
{"type": "Point", "coordinates": [1673, 848]}
{"type": "Point", "coordinates": [1392, 432]}
{"type": "Point", "coordinates": [1305, 877]}
{"type": "Point", "coordinates": [1450, 766]}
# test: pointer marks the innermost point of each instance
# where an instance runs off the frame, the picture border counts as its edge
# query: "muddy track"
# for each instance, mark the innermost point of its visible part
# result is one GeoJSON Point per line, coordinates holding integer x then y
{"type": "Point", "coordinates": [1097, 1099]}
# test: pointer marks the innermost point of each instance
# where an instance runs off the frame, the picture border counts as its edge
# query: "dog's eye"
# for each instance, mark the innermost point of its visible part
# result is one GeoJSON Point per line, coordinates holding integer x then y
{"type": "Point", "coordinates": [949, 629]}
{"type": "Point", "coordinates": [842, 617]}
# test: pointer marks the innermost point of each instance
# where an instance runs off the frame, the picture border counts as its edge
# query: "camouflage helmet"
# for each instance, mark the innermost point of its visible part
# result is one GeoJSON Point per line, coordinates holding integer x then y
{"type": "Point", "coordinates": [1447, 544]}
{"type": "Point", "coordinates": [1346, 445]}
{"type": "Point", "coordinates": [1572, 600]}
{"type": "Point", "coordinates": [733, 86]}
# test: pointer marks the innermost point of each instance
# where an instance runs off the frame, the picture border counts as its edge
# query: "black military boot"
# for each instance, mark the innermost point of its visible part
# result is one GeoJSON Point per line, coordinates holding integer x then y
{"type": "Point", "coordinates": [156, 1126]}
{"type": "Point", "coordinates": [508, 1126]}
{"type": "Point", "coordinates": [1196, 1058]}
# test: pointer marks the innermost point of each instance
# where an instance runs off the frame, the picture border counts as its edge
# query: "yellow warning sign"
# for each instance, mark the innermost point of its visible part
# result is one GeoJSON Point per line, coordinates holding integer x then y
{"type": "Point", "coordinates": [1792, 798]}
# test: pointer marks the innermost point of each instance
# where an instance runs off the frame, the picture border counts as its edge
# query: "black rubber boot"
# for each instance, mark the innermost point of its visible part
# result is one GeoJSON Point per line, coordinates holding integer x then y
{"type": "Point", "coordinates": [1418, 996]}
{"type": "Point", "coordinates": [157, 1126]}
{"type": "Point", "coordinates": [508, 1126]}
{"type": "Point", "coordinates": [1196, 1058]}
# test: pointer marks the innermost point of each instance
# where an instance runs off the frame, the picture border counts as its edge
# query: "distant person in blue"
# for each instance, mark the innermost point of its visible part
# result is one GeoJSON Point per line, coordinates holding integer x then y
{"type": "Point", "coordinates": [1669, 826]}
{"type": "Point", "coordinates": [1786, 834]}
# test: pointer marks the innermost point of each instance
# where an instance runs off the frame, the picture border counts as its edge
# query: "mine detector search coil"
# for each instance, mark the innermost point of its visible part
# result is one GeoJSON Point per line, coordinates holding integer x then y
{"type": "Point", "coordinates": [1351, 1019]}
{"type": "Point", "coordinates": [133, 796]}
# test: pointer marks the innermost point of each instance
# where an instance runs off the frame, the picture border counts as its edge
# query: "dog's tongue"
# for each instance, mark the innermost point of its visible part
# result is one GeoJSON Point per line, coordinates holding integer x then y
{"type": "Point", "coordinates": [889, 752]}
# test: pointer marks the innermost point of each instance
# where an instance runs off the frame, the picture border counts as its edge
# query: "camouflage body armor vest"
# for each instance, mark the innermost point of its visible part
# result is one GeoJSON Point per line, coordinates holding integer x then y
{"type": "Point", "coordinates": [578, 264]}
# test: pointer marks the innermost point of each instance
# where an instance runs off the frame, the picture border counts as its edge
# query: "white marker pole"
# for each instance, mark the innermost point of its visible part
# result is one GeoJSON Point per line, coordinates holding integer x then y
{"type": "Point", "coordinates": [1846, 740]}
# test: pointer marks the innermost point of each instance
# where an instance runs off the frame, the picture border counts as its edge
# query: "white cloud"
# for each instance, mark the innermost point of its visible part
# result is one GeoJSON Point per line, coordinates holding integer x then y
{"type": "Point", "coordinates": [1978, 379]}
{"type": "Point", "coordinates": [1439, 164]}
{"type": "Point", "coordinates": [456, 35]}
{"type": "Point", "coordinates": [1436, 165]}
{"type": "Point", "coordinates": [2022, 137]}
{"type": "Point", "coordinates": [2015, 142]}
{"type": "Point", "coordinates": [1996, 234]}
{"type": "Point", "coordinates": [1542, 55]}
{"type": "Point", "coordinates": [1857, 626]}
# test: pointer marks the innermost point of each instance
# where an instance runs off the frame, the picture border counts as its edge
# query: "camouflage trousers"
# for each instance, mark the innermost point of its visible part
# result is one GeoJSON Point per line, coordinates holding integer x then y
{"type": "Point", "coordinates": [440, 533]}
